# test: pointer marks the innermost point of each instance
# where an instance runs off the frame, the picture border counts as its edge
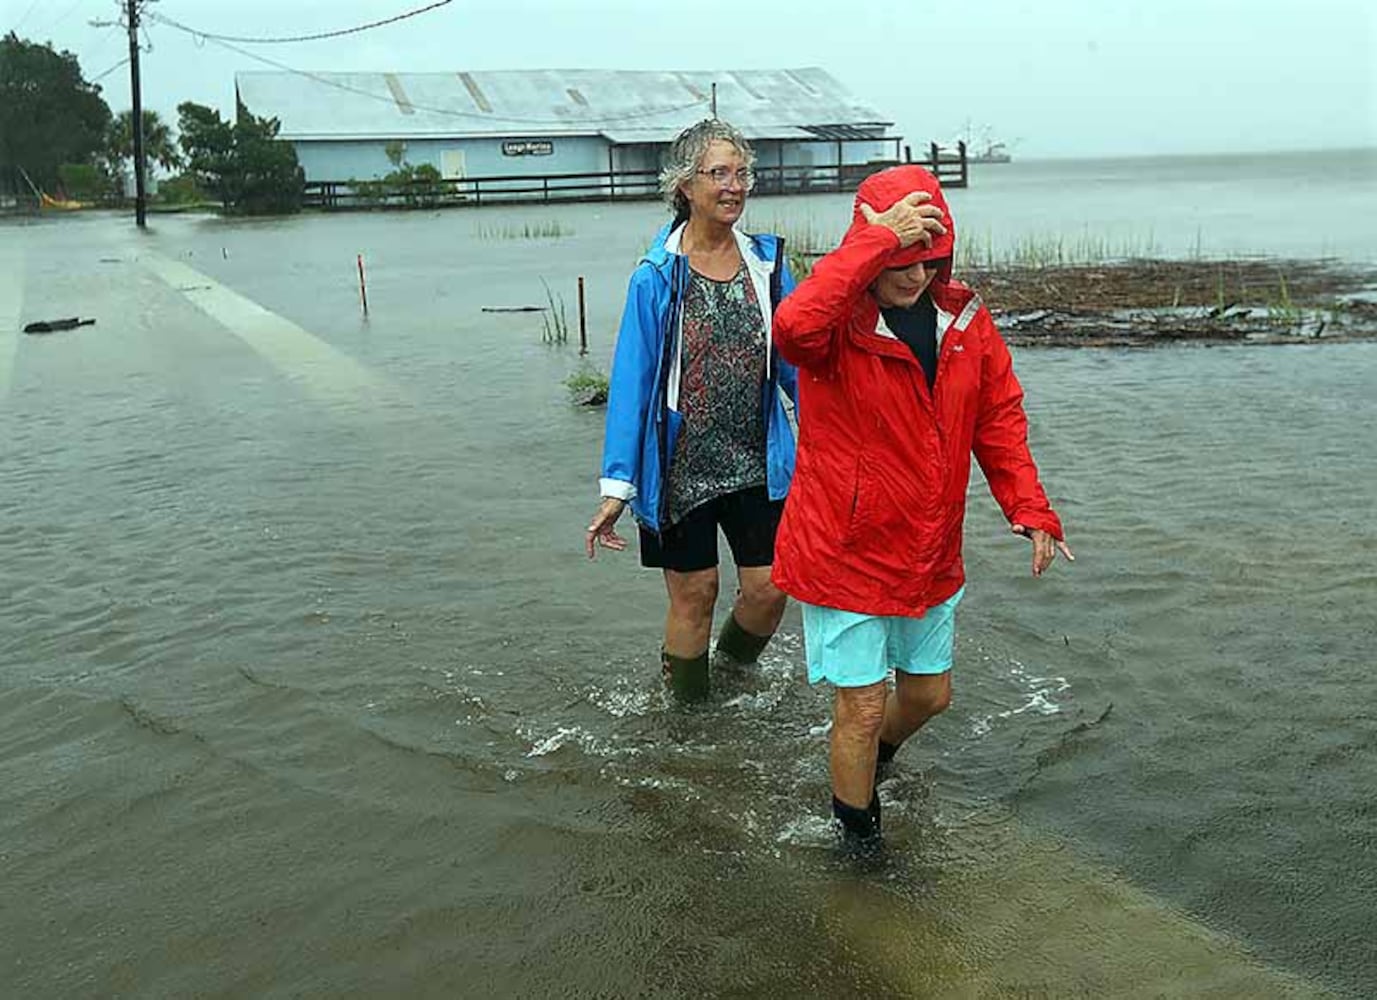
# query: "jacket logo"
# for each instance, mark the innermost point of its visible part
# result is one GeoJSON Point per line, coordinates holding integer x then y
{"type": "Point", "coordinates": [957, 347]}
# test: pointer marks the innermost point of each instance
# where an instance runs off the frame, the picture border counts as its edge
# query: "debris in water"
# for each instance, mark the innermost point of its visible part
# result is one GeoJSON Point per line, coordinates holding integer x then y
{"type": "Point", "coordinates": [53, 325]}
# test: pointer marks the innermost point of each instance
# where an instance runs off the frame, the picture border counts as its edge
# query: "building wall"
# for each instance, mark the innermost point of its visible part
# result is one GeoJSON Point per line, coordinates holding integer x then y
{"type": "Point", "coordinates": [367, 160]}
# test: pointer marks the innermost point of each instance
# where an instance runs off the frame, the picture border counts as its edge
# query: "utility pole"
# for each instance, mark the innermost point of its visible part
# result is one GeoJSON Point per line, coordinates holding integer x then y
{"type": "Point", "coordinates": [140, 200]}
{"type": "Point", "coordinates": [714, 100]}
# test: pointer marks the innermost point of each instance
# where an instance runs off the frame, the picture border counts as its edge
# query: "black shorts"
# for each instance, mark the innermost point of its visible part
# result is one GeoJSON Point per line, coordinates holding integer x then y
{"type": "Point", "coordinates": [748, 518]}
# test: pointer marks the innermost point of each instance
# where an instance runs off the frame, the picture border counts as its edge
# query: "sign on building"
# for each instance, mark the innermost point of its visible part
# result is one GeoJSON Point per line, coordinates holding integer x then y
{"type": "Point", "coordinates": [528, 147]}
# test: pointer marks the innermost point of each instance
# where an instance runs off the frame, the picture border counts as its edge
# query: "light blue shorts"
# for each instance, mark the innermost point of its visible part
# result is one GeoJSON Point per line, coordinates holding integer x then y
{"type": "Point", "coordinates": [854, 650]}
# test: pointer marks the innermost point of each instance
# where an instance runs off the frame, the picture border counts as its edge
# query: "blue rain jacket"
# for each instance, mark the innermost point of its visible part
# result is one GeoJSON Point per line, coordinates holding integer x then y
{"type": "Point", "coordinates": [643, 419]}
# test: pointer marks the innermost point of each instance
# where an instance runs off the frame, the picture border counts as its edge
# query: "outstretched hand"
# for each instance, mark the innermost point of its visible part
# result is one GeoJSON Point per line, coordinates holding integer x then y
{"type": "Point", "coordinates": [602, 530]}
{"type": "Point", "coordinates": [910, 218]}
{"type": "Point", "coordinates": [1045, 548]}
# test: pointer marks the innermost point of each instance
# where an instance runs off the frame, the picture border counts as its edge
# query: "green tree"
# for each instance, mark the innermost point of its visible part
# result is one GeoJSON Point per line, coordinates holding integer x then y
{"type": "Point", "coordinates": [85, 182]}
{"type": "Point", "coordinates": [244, 164]}
{"type": "Point", "coordinates": [208, 141]}
{"type": "Point", "coordinates": [158, 146]}
{"type": "Point", "coordinates": [272, 180]}
{"type": "Point", "coordinates": [49, 113]}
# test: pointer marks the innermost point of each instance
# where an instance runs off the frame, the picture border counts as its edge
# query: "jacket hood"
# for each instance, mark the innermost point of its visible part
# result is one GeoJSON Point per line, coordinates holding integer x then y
{"type": "Point", "coordinates": [881, 190]}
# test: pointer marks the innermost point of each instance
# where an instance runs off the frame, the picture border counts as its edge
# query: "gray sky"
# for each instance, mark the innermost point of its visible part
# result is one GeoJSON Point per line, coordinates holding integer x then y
{"type": "Point", "coordinates": [1057, 78]}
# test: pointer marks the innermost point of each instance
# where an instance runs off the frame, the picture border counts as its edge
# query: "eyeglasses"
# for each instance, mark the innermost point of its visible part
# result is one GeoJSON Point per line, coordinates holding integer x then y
{"type": "Point", "coordinates": [723, 176]}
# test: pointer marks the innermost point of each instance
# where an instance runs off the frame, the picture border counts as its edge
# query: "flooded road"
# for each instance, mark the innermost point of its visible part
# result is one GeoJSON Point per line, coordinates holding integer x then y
{"type": "Point", "coordinates": [306, 686]}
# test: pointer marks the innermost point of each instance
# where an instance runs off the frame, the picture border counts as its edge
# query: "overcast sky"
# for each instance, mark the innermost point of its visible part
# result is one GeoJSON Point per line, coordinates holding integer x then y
{"type": "Point", "coordinates": [1057, 78]}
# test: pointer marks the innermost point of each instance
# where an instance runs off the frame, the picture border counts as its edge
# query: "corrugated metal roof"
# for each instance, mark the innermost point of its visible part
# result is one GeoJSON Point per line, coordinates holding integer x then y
{"type": "Point", "coordinates": [624, 105]}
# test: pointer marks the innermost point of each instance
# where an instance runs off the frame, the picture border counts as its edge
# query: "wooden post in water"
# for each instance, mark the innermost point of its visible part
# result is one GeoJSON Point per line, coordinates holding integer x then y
{"type": "Point", "coordinates": [583, 322]}
{"type": "Point", "coordinates": [363, 288]}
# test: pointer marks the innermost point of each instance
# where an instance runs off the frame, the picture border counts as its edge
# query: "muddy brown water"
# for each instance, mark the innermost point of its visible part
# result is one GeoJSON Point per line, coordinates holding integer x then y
{"type": "Point", "coordinates": [305, 687]}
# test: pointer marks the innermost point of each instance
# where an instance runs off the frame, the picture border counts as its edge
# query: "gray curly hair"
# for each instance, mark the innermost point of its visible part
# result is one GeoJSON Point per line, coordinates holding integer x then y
{"type": "Point", "coordinates": [686, 152]}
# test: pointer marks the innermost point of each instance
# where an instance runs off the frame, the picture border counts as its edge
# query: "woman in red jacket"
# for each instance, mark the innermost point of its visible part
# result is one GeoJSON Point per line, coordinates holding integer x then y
{"type": "Point", "coordinates": [902, 377]}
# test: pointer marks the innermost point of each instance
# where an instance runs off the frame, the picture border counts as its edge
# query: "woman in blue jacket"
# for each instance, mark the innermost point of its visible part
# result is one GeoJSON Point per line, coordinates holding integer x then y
{"type": "Point", "coordinates": [697, 436]}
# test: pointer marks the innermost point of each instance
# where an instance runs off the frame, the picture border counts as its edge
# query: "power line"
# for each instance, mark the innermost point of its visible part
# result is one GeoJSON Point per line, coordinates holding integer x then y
{"type": "Point", "coordinates": [54, 22]}
{"type": "Point", "coordinates": [24, 16]}
{"type": "Point", "coordinates": [299, 38]}
{"type": "Point", "coordinates": [103, 40]}
{"type": "Point", "coordinates": [101, 76]}
{"type": "Point", "coordinates": [449, 112]}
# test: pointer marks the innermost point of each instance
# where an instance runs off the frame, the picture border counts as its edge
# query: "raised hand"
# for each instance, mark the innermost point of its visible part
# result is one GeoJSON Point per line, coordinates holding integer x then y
{"type": "Point", "coordinates": [910, 218]}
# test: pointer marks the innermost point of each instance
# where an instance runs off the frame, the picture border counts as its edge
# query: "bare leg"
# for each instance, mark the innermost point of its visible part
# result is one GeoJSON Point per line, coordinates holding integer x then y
{"type": "Point", "coordinates": [916, 698]}
{"type": "Point", "coordinates": [857, 715]}
{"type": "Point", "coordinates": [759, 603]}
{"type": "Point", "coordinates": [688, 623]}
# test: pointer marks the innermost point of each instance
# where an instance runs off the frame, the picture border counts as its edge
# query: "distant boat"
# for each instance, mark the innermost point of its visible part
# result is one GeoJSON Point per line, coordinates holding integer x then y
{"type": "Point", "coordinates": [984, 149]}
{"type": "Point", "coordinates": [989, 152]}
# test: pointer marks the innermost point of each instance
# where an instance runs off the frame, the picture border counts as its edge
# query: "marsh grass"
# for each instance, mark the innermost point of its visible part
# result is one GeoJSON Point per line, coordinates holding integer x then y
{"type": "Point", "coordinates": [804, 243]}
{"type": "Point", "coordinates": [546, 229]}
{"type": "Point", "coordinates": [979, 251]}
{"type": "Point", "coordinates": [1281, 308]}
{"type": "Point", "coordinates": [588, 386]}
{"type": "Point", "coordinates": [554, 321]}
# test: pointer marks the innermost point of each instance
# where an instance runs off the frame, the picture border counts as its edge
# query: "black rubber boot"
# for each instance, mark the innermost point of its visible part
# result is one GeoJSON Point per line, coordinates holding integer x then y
{"type": "Point", "coordinates": [860, 827]}
{"type": "Point", "coordinates": [687, 676]}
{"type": "Point", "coordinates": [738, 646]}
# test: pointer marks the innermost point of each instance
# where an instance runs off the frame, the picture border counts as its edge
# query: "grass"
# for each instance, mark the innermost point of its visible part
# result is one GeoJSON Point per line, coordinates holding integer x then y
{"type": "Point", "coordinates": [803, 243]}
{"type": "Point", "coordinates": [544, 230]}
{"type": "Point", "coordinates": [800, 263]}
{"type": "Point", "coordinates": [976, 251]}
{"type": "Point", "coordinates": [555, 321]}
{"type": "Point", "coordinates": [1282, 309]}
{"type": "Point", "coordinates": [588, 386]}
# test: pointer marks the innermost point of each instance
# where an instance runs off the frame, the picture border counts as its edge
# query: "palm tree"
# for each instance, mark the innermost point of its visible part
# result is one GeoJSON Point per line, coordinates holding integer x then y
{"type": "Point", "coordinates": [158, 146]}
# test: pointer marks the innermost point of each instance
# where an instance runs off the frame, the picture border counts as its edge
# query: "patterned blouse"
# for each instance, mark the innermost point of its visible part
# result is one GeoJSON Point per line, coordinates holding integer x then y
{"type": "Point", "coordinates": [721, 445]}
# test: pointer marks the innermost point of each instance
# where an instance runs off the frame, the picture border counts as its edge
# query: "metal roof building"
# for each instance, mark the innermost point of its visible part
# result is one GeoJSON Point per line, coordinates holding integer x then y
{"type": "Point", "coordinates": [484, 126]}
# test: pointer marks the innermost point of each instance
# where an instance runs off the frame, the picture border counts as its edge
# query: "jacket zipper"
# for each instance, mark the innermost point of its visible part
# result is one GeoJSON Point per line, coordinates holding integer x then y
{"type": "Point", "coordinates": [771, 362]}
{"type": "Point", "coordinates": [667, 347]}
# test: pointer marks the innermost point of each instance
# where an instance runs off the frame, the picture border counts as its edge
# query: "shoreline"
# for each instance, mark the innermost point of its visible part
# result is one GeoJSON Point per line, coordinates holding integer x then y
{"type": "Point", "coordinates": [1146, 303]}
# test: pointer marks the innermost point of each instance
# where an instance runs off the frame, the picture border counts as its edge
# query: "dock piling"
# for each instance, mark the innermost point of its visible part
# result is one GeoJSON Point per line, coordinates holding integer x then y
{"type": "Point", "coordinates": [583, 321]}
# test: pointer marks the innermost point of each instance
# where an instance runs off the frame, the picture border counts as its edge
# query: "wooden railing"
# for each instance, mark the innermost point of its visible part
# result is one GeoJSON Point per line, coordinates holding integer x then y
{"type": "Point", "coordinates": [949, 166]}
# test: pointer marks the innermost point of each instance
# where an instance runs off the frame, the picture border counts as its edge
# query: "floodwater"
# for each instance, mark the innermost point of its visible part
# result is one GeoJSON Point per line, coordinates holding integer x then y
{"type": "Point", "coordinates": [307, 689]}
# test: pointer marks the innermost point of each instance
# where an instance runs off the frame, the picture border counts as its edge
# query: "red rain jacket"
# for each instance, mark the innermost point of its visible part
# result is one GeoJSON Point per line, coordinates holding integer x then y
{"type": "Point", "coordinates": [873, 520]}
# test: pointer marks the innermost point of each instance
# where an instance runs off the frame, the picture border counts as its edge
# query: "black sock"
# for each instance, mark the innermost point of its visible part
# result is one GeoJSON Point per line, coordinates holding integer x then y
{"type": "Point", "coordinates": [887, 752]}
{"type": "Point", "coordinates": [862, 823]}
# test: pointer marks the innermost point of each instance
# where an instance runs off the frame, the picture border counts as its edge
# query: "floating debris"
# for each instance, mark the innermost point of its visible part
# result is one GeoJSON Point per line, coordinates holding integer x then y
{"type": "Point", "coordinates": [1142, 303]}
{"type": "Point", "coordinates": [54, 325]}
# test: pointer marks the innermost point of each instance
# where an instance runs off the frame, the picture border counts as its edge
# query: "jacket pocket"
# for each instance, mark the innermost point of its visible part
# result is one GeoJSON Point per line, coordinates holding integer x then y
{"type": "Point", "coordinates": [855, 504]}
